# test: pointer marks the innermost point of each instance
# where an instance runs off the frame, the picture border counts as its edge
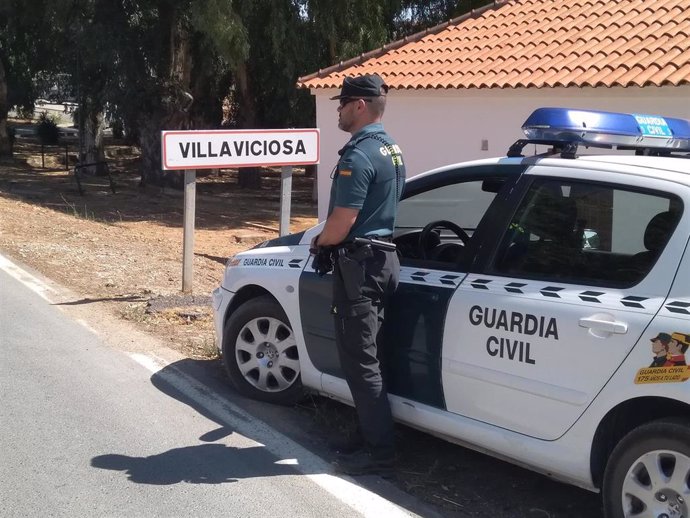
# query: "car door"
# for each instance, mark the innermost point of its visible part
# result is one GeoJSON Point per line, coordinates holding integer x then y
{"type": "Point", "coordinates": [412, 335]}
{"type": "Point", "coordinates": [536, 331]}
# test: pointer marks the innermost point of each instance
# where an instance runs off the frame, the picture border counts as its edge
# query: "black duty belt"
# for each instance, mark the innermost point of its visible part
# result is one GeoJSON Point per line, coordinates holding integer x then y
{"type": "Point", "coordinates": [387, 239]}
{"type": "Point", "coordinates": [379, 243]}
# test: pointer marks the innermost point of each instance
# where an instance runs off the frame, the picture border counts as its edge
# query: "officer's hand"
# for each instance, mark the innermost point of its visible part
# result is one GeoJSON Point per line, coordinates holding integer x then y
{"type": "Point", "coordinates": [313, 247]}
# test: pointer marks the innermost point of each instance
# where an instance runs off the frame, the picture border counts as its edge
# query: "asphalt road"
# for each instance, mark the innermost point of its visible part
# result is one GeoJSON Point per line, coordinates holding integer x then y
{"type": "Point", "coordinates": [90, 430]}
{"type": "Point", "coordinates": [110, 422]}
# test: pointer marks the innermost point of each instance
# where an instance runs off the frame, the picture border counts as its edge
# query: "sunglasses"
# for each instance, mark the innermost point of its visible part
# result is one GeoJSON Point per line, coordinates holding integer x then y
{"type": "Point", "coordinates": [347, 100]}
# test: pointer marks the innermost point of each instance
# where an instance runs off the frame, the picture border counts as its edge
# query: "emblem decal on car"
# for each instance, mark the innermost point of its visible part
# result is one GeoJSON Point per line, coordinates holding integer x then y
{"type": "Point", "coordinates": [668, 363]}
{"type": "Point", "coordinates": [419, 276]}
{"type": "Point", "coordinates": [271, 262]}
{"type": "Point", "coordinates": [551, 291]}
{"type": "Point", "coordinates": [679, 306]}
{"type": "Point", "coordinates": [633, 302]}
{"type": "Point", "coordinates": [610, 299]}
{"type": "Point", "coordinates": [591, 296]}
{"type": "Point", "coordinates": [515, 287]}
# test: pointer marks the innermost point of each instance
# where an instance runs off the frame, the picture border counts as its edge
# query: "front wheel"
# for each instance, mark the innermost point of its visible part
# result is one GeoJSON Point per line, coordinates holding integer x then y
{"type": "Point", "coordinates": [647, 475]}
{"type": "Point", "coordinates": [260, 353]}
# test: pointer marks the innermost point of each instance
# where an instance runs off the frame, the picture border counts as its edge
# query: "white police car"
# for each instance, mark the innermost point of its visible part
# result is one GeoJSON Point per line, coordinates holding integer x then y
{"type": "Point", "coordinates": [543, 313]}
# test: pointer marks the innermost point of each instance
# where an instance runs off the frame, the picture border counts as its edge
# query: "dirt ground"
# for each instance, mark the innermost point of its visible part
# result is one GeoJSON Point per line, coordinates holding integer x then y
{"type": "Point", "coordinates": [123, 251]}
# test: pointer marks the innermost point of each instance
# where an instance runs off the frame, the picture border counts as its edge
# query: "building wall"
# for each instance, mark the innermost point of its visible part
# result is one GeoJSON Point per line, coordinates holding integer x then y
{"type": "Point", "coordinates": [439, 127]}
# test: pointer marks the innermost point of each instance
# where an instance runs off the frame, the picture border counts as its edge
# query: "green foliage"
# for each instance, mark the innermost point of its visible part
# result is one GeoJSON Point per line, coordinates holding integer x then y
{"type": "Point", "coordinates": [414, 15]}
{"type": "Point", "coordinates": [142, 59]}
{"type": "Point", "coordinates": [216, 22]}
{"type": "Point", "coordinates": [47, 129]}
{"type": "Point", "coordinates": [24, 112]}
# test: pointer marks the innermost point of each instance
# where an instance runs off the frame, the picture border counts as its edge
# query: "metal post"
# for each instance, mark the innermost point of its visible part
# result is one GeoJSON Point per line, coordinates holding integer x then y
{"type": "Point", "coordinates": [188, 236]}
{"type": "Point", "coordinates": [66, 158]}
{"type": "Point", "coordinates": [285, 198]}
{"type": "Point", "coordinates": [43, 158]}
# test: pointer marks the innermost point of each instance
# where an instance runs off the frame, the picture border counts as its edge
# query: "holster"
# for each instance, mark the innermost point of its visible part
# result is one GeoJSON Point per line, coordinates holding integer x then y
{"type": "Point", "coordinates": [352, 270]}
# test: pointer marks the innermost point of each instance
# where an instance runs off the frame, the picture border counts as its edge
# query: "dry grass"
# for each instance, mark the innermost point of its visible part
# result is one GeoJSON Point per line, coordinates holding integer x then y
{"type": "Point", "coordinates": [125, 249]}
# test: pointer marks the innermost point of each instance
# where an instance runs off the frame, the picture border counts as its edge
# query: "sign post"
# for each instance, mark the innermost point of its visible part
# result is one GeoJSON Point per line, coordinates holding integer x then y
{"type": "Point", "coordinates": [188, 230]}
{"type": "Point", "coordinates": [285, 199]}
{"type": "Point", "coordinates": [219, 149]}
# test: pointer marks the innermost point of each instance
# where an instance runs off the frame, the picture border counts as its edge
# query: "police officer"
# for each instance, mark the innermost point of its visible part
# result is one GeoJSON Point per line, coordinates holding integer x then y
{"type": "Point", "coordinates": [366, 188]}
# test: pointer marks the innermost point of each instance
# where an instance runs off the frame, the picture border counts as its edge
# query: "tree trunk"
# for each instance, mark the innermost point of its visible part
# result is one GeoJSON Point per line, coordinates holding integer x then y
{"type": "Point", "coordinates": [92, 149]}
{"type": "Point", "coordinates": [5, 144]}
{"type": "Point", "coordinates": [247, 177]}
{"type": "Point", "coordinates": [150, 140]}
{"type": "Point", "coordinates": [171, 114]}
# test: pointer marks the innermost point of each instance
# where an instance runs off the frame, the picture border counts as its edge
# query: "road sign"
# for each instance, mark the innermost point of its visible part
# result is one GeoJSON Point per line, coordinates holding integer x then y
{"type": "Point", "coordinates": [209, 149]}
{"type": "Point", "coordinates": [218, 149]}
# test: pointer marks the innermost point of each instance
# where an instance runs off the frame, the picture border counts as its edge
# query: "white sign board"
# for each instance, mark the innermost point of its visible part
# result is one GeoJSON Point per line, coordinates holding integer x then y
{"type": "Point", "coordinates": [216, 149]}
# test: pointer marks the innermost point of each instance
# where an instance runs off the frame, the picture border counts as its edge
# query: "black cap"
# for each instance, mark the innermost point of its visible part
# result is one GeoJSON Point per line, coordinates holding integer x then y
{"type": "Point", "coordinates": [368, 85]}
{"type": "Point", "coordinates": [664, 337]}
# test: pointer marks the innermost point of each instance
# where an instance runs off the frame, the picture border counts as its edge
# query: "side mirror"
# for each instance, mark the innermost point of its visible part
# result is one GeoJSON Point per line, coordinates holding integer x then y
{"type": "Point", "coordinates": [493, 184]}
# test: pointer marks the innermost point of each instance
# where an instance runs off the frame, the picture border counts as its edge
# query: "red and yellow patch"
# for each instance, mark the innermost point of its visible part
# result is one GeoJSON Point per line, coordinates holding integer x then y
{"type": "Point", "coordinates": [345, 172]}
{"type": "Point", "coordinates": [663, 375]}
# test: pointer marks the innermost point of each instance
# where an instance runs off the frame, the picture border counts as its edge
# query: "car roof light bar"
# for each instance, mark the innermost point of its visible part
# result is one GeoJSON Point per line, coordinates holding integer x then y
{"type": "Point", "coordinates": [564, 127]}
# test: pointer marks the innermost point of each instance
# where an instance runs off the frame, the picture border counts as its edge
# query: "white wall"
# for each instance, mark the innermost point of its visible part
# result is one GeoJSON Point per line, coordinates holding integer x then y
{"type": "Point", "coordinates": [439, 127]}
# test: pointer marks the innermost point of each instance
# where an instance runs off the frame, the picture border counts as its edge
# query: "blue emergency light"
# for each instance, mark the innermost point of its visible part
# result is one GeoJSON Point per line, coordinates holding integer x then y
{"type": "Point", "coordinates": [566, 128]}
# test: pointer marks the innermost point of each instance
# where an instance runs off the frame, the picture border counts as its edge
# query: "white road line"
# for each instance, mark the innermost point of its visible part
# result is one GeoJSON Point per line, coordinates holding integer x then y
{"type": "Point", "coordinates": [87, 326]}
{"type": "Point", "coordinates": [289, 452]}
{"type": "Point", "coordinates": [37, 286]}
{"type": "Point", "coordinates": [28, 280]}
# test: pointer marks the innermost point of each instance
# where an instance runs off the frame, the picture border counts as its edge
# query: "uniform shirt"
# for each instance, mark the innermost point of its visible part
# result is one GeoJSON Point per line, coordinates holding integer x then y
{"type": "Point", "coordinates": [365, 179]}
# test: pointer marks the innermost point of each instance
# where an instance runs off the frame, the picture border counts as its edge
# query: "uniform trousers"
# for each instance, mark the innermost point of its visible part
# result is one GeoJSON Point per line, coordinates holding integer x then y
{"type": "Point", "coordinates": [357, 325]}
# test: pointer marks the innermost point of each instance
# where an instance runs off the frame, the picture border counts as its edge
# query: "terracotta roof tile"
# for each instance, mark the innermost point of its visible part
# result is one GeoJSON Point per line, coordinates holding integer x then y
{"type": "Point", "coordinates": [537, 43]}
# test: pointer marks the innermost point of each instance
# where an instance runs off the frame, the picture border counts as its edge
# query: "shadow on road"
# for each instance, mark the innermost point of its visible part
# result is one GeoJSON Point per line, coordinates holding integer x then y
{"type": "Point", "coordinates": [194, 383]}
{"type": "Point", "coordinates": [202, 464]}
{"type": "Point", "coordinates": [203, 386]}
{"type": "Point", "coordinates": [220, 260]}
{"type": "Point", "coordinates": [457, 482]}
{"type": "Point", "coordinates": [124, 298]}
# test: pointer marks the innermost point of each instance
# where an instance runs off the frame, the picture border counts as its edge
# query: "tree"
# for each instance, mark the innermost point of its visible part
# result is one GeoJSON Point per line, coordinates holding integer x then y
{"type": "Point", "coordinates": [5, 144]}
{"type": "Point", "coordinates": [184, 49]}
{"type": "Point", "coordinates": [168, 64]}
{"type": "Point", "coordinates": [412, 16]}
{"type": "Point", "coordinates": [25, 33]}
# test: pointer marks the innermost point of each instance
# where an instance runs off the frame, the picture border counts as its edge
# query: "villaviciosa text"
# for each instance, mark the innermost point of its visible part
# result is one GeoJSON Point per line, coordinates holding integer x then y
{"type": "Point", "coordinates": [241, 148]}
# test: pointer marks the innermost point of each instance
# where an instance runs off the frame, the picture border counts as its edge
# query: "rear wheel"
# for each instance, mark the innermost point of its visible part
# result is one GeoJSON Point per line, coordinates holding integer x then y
{"type": "Point", "coordinates": [648, 474]}
{"type": "Point", "coordinates": [260, 352]}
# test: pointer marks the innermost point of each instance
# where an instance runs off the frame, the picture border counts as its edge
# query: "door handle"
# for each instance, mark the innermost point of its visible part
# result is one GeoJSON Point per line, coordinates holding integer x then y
{"type": "Point", "coordinates": [599, 324]}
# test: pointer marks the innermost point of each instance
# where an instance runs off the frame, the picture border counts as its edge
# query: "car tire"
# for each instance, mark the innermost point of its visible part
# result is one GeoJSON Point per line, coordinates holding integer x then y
{"type": "Point", "coordinates": [260, 353]}
{"type": "Point", "coordinates": [647, 473]}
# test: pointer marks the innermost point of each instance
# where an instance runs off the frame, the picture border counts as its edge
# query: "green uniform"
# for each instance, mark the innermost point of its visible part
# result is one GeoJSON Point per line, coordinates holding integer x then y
{"type": "Point", "coordinates": [365, 179]}
{"type": "Point", "coordinates": [369, 177]}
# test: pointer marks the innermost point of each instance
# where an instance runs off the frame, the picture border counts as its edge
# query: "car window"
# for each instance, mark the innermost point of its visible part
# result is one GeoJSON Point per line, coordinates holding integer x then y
{"type": "Point", "coordinates": [462, 203]}
{"type": "Point", "coordinates": [434, 226]}
{"type": "Point", "coordinates": [587, 233]}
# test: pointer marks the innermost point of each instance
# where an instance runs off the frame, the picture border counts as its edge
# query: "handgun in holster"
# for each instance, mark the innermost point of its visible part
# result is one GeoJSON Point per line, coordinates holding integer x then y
{"type": "Point", "coordinates": [351, 269]}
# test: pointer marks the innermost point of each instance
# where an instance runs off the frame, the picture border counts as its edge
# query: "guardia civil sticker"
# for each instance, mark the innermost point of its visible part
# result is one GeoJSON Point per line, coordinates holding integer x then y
{"type": "Point", "coordinates": [668, 360]}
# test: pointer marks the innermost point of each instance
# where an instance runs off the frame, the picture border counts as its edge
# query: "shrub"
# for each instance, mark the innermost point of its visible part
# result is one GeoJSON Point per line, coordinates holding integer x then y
{"type": "Point", "coordinates": [24, 113]}
{"type": "Point", "coordinates": [47, 130]}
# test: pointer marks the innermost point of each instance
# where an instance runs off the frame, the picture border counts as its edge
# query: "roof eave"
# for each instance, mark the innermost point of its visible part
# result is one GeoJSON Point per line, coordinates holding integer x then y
{"type": "Point", "coordinates": [474, 13]}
